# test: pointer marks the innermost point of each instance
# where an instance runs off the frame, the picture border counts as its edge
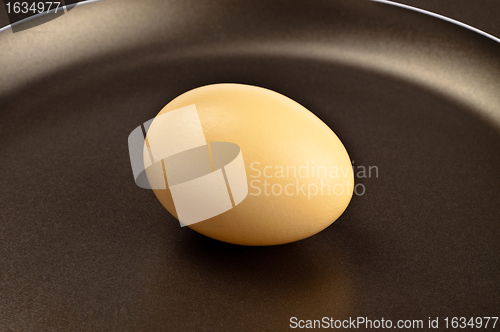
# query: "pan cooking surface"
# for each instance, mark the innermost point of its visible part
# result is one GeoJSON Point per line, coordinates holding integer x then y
{"type": "Point", "coordinates": [82, 248]}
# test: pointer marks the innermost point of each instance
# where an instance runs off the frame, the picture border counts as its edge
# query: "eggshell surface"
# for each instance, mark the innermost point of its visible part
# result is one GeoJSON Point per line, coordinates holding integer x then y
{"type": "Point", "coordinates": [299, 174]}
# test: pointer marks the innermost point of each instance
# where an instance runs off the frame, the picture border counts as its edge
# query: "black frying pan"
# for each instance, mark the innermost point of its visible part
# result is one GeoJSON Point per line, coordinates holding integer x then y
{"type": "Point", "coordinates": [83, 249]}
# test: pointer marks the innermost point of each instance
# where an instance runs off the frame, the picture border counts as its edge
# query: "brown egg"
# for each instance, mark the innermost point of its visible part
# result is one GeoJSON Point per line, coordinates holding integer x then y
{"type": "Point", "coordinates": [290, 178]}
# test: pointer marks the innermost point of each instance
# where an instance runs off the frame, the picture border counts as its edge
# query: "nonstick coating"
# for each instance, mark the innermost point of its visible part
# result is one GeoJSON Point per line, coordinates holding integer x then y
{"type": "Point", "coordinates": [83, 249]}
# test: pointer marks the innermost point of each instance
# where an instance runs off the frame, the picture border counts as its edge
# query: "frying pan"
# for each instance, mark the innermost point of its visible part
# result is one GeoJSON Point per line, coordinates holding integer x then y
{"type": "Point", "coordinates": [83, 249]}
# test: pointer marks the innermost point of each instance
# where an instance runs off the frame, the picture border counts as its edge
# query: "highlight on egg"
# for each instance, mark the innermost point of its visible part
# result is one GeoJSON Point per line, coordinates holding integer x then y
{"type": "Point", "coordinates": [246, 165]}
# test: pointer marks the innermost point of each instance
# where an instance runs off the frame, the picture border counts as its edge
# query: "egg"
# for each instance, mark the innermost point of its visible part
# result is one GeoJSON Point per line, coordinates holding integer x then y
{"type": "Point", "coordinates": [249, 166]}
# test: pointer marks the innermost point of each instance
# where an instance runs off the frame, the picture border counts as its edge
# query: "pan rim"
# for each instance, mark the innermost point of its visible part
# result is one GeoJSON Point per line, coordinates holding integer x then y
{"type": "Point", "coordinates": [387, 2]}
